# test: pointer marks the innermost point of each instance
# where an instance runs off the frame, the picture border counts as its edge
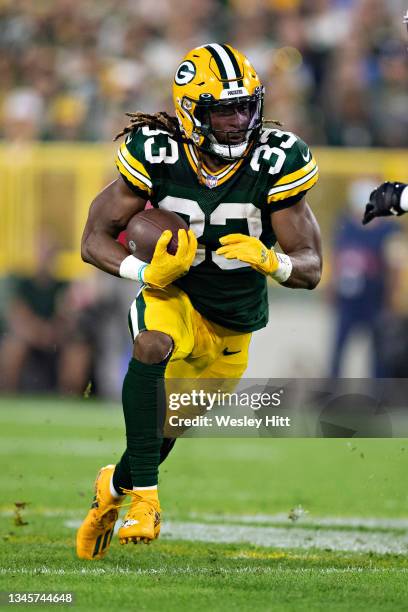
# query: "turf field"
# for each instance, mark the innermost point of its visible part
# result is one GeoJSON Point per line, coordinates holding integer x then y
{"type": "Point", "coordinates": [227, 541]}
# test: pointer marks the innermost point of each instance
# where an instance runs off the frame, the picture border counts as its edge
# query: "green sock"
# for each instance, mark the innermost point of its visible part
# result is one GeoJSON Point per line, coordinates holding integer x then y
{"type": "Point", "coordinates": [144, 407]}
{"type": "Point", "coordinates": [122, 478]}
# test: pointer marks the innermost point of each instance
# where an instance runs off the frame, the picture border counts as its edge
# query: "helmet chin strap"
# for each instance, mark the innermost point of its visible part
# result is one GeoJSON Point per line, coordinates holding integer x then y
{"type": "Point", "coordinates": [229, 152]}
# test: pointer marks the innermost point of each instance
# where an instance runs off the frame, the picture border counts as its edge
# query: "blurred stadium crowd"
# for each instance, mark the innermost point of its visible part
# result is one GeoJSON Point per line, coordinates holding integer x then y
{"type": "Point", "coordinates": [335, 70]}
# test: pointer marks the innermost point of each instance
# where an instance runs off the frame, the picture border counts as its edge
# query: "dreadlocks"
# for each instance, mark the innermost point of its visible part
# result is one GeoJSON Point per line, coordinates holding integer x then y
{"type": "Point", "coordinates": [158, 121]}
{"type": "Point", "coordinates": [164, 121]}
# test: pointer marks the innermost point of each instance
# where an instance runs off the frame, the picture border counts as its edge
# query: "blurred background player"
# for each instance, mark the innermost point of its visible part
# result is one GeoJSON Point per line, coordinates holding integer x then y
{"type": "Point", "coordinates": [389, 198]}
{"type": "Point", "coordinates": [242, 188]}
{"type": "Point", "coordinates": [362, 281]}
{"type": "Point", "coordinates": [45, 346]}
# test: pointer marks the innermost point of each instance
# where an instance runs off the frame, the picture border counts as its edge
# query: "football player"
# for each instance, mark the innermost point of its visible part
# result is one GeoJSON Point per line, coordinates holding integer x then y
{"type": "Point", "coordinates": [241, 188]}
{"type": "Point", "coordinates": [389, 198]}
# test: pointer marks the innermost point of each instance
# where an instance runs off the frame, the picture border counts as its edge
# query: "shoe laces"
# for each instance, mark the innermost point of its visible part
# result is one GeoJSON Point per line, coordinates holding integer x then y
{"type": "Point", "coordinates": [139, 499]}
{"type": "Point", "coordinates": [110, 514]}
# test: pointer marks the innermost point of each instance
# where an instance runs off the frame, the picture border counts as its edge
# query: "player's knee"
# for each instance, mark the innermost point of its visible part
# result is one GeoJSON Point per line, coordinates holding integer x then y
{"type": "Point", "coordinates": [152, 347]}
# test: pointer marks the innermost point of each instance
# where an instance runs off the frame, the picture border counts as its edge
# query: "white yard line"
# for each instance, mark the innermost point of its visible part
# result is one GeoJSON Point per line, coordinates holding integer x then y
{"type": "Point", "coordinates": [326, 521]}
{"type": "Point", "coordinates": [295, 537]}
{"type": "Point", "coordinates": [356, 522]}
{"type": "Point", "coordinates": [274, 530]}
{"type": "Point", "coordinates": [347, 540]}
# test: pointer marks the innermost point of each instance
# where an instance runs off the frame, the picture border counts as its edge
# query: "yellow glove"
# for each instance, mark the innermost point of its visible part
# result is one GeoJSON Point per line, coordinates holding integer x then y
{"type": "Point", "coordinates": [251, 251]}
{"type": "Point", "coordinates": [165, 268]}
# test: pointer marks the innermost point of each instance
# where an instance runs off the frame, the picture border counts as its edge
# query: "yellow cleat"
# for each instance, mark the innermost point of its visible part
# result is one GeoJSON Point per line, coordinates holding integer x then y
{"type": "Point", "coordinates": [95, 534]}
{"type": "Point", "coordinates": [142, 521]}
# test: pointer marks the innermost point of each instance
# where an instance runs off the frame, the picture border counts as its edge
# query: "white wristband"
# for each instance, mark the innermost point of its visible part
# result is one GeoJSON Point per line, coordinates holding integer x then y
{"type": "Point", "coordinates": [133, 268]}
{"type": "Point", "coordinates": [284, 270]}
{"type": "Point", "coordinates": [404, 199]}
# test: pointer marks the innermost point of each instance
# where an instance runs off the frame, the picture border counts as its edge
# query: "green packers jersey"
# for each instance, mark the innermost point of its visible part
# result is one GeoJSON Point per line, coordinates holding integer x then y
{"type": "Point", "coordinates": [237, 199]}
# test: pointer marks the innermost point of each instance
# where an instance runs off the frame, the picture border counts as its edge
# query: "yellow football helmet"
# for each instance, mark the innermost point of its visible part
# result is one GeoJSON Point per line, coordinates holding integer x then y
{"type": "Point", "coordinates": [210, 77]}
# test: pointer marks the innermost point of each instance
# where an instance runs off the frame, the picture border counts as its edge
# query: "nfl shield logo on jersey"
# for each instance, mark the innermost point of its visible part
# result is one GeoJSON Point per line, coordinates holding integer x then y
{"type": "Point", "coordinates": [211, 181]}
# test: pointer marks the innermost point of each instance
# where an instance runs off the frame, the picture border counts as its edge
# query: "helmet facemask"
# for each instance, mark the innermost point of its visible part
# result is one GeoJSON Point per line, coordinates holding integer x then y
{"type": "Point", "coordinates": [227, 145]}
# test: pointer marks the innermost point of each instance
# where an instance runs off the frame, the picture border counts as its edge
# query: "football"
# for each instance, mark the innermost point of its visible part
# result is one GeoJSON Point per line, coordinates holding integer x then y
{"type": "Point", "coordinates": [145, 228]}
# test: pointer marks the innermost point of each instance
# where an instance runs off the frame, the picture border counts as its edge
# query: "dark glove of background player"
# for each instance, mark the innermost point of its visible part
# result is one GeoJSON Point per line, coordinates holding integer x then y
{"type": "Point", "coordinates": [384, 201]}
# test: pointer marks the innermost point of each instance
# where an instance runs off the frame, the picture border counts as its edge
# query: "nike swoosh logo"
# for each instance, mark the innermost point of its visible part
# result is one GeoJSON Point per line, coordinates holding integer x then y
{"type": "Point", "coordinates": [308, 156]}
{"type": "Point", "coordinates": [227, 352]}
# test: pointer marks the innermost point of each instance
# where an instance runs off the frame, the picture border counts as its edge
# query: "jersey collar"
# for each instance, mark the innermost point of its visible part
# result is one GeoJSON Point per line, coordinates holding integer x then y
{"type": "Point", "coordinates": [212, 179]}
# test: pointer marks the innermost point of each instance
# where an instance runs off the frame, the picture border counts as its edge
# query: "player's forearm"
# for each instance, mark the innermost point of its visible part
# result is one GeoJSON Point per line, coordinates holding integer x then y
{"type": "Point", "coordinates": [306, 270]}
{"type": "Point", "coordinates": [109, 213]}
{"type": "Point", "coordinates": [103, 251]}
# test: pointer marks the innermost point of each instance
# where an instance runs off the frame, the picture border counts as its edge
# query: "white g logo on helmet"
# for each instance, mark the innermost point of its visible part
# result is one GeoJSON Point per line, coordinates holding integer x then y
{"type": "Point", "coordinates": [185, 73]}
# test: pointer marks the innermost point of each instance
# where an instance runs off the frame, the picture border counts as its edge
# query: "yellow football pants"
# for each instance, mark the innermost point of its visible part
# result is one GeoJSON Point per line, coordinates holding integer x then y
{"type": "Point", "coordinates": [202, 349]}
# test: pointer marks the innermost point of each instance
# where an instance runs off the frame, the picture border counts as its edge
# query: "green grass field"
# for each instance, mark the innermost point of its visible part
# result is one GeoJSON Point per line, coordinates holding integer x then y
{"type": "Point", "coordinates": [227, 543]}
